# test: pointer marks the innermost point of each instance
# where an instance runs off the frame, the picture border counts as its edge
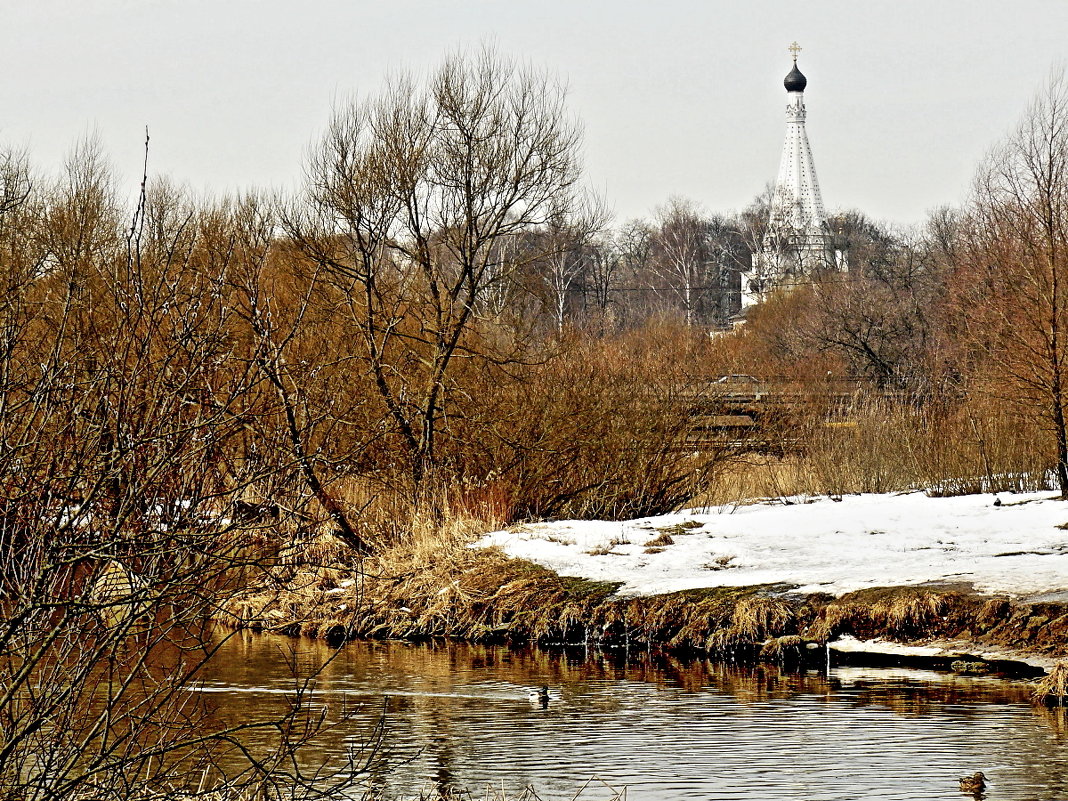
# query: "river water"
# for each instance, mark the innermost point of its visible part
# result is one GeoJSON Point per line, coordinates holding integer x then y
{"type": "Point", "coordinates": [458, 716]}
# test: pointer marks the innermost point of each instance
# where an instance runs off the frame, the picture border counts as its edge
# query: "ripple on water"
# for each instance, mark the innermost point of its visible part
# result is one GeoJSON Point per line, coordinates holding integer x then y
{"type": "Point", "coordinates": [668, 730]}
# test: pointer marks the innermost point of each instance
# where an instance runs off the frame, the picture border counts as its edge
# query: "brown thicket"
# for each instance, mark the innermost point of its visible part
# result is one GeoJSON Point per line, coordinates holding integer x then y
{"type": "Point", "coordinates": [129, 410]}
{"type": "Point", "coordinates": [1012, 282]}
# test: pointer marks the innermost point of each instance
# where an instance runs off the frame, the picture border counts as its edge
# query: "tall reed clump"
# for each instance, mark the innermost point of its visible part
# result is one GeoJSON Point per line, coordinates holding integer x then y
{"type": "Point", "coordinates": [987, 445]}
{"type": "Point", "coordinates": [881, 443]}
{"type": "Point", "coordinates": [1052, 689]}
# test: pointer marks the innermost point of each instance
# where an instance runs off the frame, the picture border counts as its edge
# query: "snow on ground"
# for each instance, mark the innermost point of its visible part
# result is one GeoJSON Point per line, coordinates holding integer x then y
{"type": "Point", "coordinates": [817, 545]}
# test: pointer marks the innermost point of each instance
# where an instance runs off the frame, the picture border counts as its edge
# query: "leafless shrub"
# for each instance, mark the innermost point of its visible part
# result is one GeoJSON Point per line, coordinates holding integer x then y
{"type": "Point", "coordinates": [125, 408]}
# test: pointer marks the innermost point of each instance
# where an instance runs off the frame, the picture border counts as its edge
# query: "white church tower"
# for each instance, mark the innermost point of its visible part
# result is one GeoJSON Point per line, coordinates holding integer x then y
{"type": "Point", "coordinates": [798, 240]}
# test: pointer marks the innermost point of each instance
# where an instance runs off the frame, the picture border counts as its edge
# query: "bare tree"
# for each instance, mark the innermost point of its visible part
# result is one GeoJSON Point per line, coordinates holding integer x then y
{"type": "Point", "coordinates": [943, 231]}
{"type": "Point", "coordinates": [633, 245]}
{"type": "Point", "coordinates": [567, 236]}
{"type": "Point", "coordinates": [410, 197]}
{"type": "Point", "coordinates": [681, 259]}
{"type": "Point", "coordinates": [606, 265]}
{"type": "Point", "coordinates": [726, 249]}
{"type": "Point", "coordinates": [1014, 290]}
{"type": "Point", "coordinates": [752, 226]}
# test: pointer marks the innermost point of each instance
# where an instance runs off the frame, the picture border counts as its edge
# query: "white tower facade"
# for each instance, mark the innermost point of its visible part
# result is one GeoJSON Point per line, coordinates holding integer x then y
{"type": "Point", "coordinates": [798, 240]}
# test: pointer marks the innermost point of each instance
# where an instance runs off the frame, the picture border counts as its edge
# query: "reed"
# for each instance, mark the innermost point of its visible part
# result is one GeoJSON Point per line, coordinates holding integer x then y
{"type": "Point", "coordinates": [1052, 689]}
{"type": "Point", "coordinates": [881, 444]}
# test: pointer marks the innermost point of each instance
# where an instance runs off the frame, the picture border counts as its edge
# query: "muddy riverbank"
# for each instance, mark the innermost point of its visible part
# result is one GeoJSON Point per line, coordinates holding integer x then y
{"type": "Point", "coordinates": [483, 596]}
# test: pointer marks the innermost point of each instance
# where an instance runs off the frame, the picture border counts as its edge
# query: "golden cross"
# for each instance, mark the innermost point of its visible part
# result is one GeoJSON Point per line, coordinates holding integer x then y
{"type": "Point", "coordinates": [795, 48]}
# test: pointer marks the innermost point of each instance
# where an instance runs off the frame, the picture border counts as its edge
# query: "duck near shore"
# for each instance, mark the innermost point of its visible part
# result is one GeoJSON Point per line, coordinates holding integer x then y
{"type": "Point", "coordinates": [540, 696]}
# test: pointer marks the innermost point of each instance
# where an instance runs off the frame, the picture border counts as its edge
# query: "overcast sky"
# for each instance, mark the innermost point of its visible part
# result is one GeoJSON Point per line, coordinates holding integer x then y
{"type": "Point", "coordinates": [677, 97]}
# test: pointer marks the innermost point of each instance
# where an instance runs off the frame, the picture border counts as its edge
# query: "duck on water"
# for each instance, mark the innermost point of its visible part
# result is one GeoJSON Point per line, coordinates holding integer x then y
{"type": "Point", "coordinates": [974, 784]}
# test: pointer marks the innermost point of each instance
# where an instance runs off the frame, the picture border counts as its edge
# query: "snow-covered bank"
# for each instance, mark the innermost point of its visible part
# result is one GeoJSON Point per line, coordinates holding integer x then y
{"type": "Point", "coordinates": [1013, 546]}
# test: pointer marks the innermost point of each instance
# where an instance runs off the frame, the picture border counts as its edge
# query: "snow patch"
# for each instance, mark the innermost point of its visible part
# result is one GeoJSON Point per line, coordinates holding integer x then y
{"type": "Point", "coordinates": [816, 545]}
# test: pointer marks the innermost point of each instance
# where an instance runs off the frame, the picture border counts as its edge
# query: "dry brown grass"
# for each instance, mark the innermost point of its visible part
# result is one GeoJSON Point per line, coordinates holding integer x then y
{"type": "Point", "coordinates": [911, 614]}
{"type": "Point", "coordinates": [900, 613]}
{"type": "Point", "coordinates": [758, 617]}
{"type": "Point", "coordinates": [993, 612]}
{"type": "Point", "coordinates": [891, 445]}
{"type": "Point", "coordinates": [837, 619]}
{"type": "Point", "coordinates": [428, 589]}
{"type": "Point", "coordinates": [778, 648]}
{"type": "Point", "coordinates": [1052, 689]}
{"type": "Point", "coordinates": [659, 542]}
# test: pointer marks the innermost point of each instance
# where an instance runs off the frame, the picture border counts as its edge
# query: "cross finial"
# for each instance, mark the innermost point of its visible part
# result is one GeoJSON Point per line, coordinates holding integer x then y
{"type": "Point", "coordinates": [794, 49]}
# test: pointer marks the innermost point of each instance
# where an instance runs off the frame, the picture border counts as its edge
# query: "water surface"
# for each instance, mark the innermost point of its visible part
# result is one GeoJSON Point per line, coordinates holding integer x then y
{"type": "Point", "coordinates": [459, 716]}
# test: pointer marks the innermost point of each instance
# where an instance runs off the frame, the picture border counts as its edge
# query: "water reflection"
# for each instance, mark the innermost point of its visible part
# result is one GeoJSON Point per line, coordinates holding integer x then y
{"type": "Point", "coordinates": [459, 716]}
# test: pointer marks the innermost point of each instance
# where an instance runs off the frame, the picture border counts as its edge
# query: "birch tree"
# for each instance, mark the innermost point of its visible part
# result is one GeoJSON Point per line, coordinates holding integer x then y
{"type": "Point", "coordinates": [568, 236]}
{"type": "Point", "coordinates": [680, 241]}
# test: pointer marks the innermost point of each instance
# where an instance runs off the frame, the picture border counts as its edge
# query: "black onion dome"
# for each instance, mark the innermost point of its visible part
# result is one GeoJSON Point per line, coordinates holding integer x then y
{"type": "Point", "coordinates": [795, 81]}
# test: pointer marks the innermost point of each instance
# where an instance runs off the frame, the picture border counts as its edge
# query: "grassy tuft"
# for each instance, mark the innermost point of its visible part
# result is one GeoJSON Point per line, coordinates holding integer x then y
{"type": "Point", "coordinates": [660, 541]}
{"type": "Point", "coordinates": [1052, 689]}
